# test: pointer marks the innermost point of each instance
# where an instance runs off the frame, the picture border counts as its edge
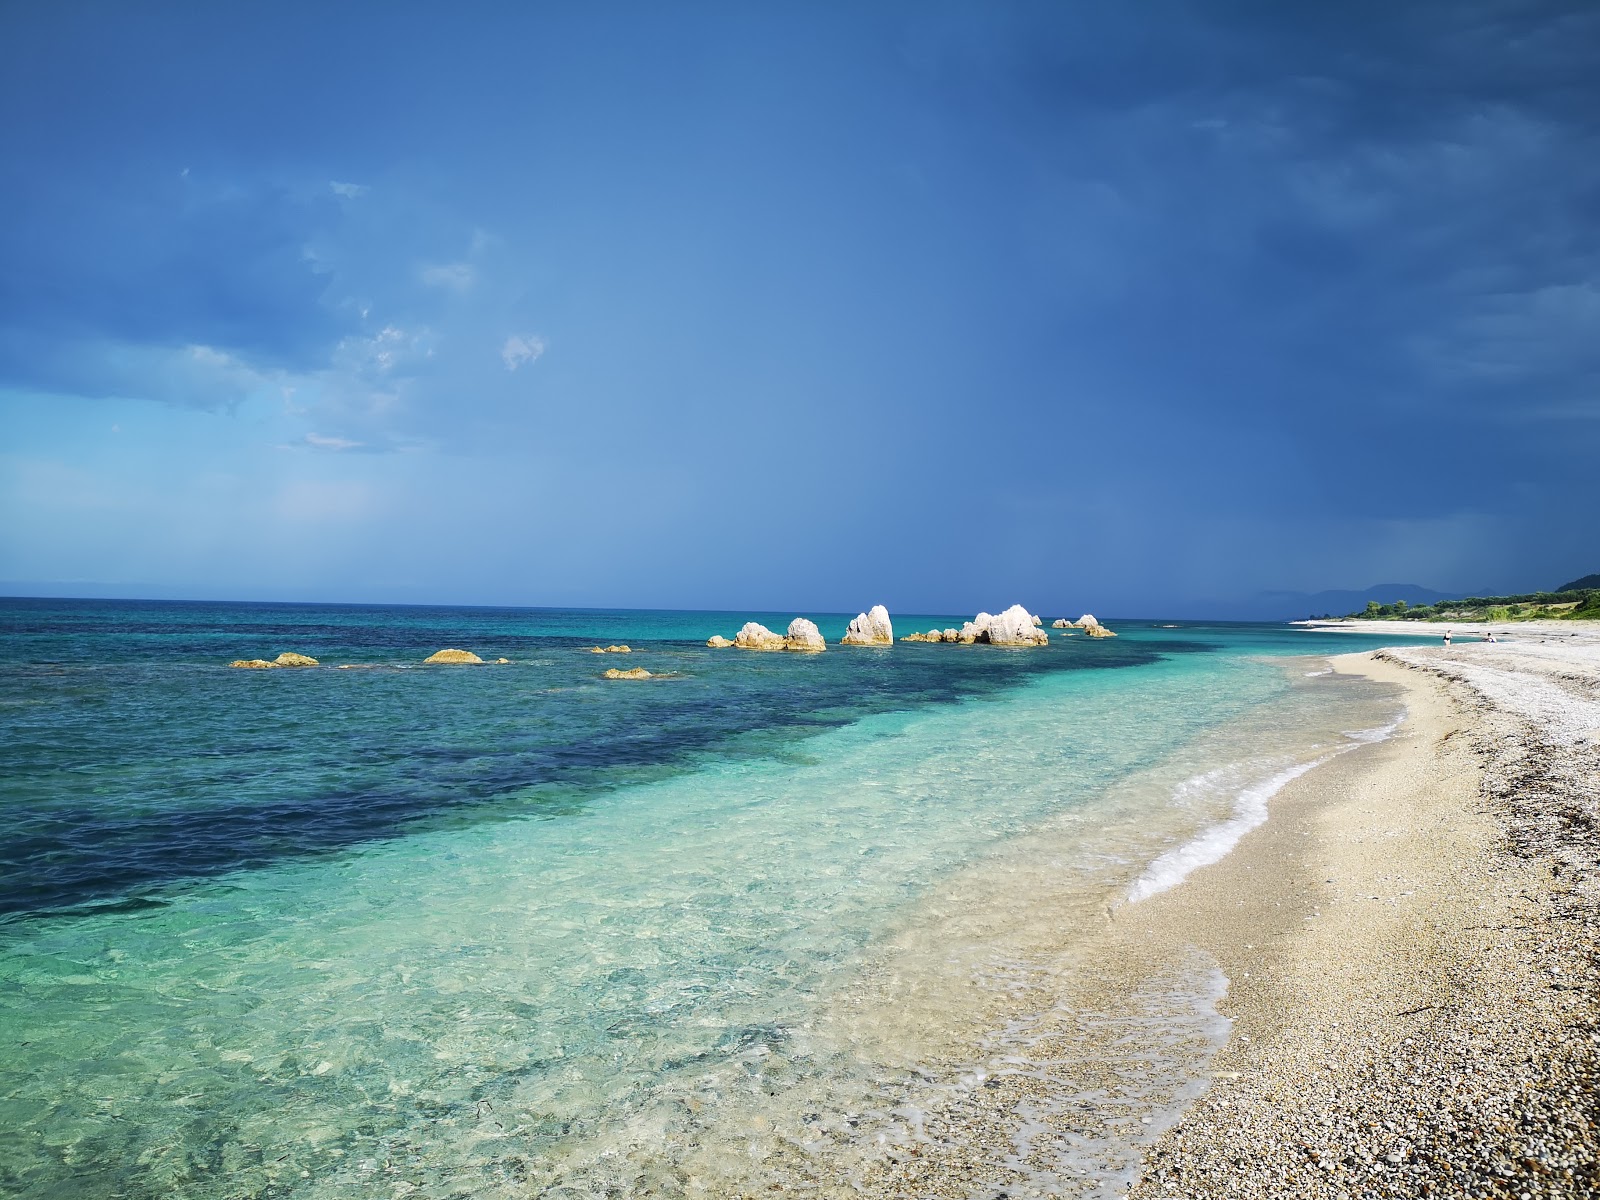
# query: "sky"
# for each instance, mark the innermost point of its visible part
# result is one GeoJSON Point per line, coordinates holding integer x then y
{"type": "Point", "coordinates": [1131, 308]}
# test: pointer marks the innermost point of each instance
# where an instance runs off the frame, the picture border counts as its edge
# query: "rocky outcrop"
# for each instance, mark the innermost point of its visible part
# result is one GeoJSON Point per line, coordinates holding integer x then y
{"type": "Point", "coordinates": [1098, 630]}
{"type": "Point", "coordinates": [717, 642]}
{"type": "Point", "coordinates": [502, 661]}
{"type": "Point", "coordinates": [610, 649]}
{"type": "Point", "coordinates": [755, 636]}
{"type": "Point", "coordinates": [636, 673]}
{"type": "Point", "coordinates": [1037, 620]}
{"type": "Point", "coordinates": [804, 636]}
{"type": "Point", "coordinates": [1014, 627]}
{"type": "Point", "coordinates": [287, 659]}
{"type": "Point", "coordinates": [453, 656]}
{"type": "Point", "coordinates": [1061, 623]}
{"type": "Point", "coordinates": [871, 628]}
{"type": "Point", "coordinates": [1086, 621]}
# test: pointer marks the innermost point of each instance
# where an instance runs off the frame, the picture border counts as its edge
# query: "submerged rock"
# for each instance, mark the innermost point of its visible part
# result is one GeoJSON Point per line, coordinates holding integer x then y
{"type": "Point", "coordinates": [287, 659]}
{"type": "Point", "coordinates": [717, 642]}
{"type": "Point", "coordinates": [453, 656]}
{"type": "Point", "coordinates": [871, 628]}
{"type": "Point", "coordinates": [804, 636]}
{"type": "Point", "coordinates": [636, 673]}
{"type": "Point", "coordinates": [754, 636]}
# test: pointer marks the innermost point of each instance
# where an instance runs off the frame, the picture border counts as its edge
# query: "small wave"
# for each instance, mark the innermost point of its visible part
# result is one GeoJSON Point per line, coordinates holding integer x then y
{"type": "Point", "coordinates": [1249, 811]}
{"type": "Point", "coordinates": [1380, 733]}
{"type": "Point", "coordinates": [1324, 671]}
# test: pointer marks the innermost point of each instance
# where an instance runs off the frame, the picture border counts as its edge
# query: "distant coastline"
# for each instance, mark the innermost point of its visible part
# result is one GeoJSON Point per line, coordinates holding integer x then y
{"type": "Point", "coordinates": [1572, 603]}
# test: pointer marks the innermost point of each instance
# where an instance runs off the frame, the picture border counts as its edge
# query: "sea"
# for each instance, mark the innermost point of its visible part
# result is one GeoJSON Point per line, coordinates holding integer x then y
{"type": "Point", "coordinates": [749, 926]}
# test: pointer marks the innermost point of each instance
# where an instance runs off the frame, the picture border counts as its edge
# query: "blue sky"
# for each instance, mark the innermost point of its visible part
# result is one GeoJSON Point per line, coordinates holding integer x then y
{"type": "Point", "coordinates": [1139, 308]}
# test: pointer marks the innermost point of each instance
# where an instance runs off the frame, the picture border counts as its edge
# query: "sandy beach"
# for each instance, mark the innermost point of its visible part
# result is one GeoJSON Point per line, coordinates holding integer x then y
{"type": "Point", "coordinates": [1410, 942]}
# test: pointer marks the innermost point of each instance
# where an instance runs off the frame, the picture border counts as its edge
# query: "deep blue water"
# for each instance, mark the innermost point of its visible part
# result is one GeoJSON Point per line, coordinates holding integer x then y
{"type": "Point", "coordinates": [134, 758]}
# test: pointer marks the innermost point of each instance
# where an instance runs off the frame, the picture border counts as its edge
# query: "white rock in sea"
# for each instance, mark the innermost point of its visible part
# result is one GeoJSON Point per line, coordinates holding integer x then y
{"type": "Point", "coordinates": [757, 637]}
{"type": "Point", "coordinates": [952, 635]}
{"type": "Point", "coordinates": [717, 642]}
{"type": "Point", "coordinates": [1098, 631]}
{"type": "Point", "coordinates": [804, 635]}
{"type": "Point", "coordinates": [1086, 621]}
{"type": "Point", "coordinates": [1036, 619]}
{"type": "Point", "coordinates": [1015, 627]}
{"type": "Point", "coordinates": [1061, 623]}
{"type": "Point", "coordinates": [871, 628]}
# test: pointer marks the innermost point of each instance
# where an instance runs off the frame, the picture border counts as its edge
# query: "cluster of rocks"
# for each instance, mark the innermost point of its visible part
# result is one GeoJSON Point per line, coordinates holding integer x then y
{"type": "Point", "coordinates": [1087, 623]}
{"type": "Point", "coordinates": [610, 649]}
{"type": "Point", "coordinates": [442, 657]}
{"type": "Point", "coordinates": [803, 636]}
{"type": "Point", "coordinates": [286, 659]}
{"type": "Point", "coordinates": [636, 673]}
{"type": "Point", "coordinates": [1016, 626]}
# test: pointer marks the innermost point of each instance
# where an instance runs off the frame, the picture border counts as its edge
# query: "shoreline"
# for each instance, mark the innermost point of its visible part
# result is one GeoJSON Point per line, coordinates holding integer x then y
{"type": "Point", "coordinates": [1410, 943]}
{"type": "Point", "coordinates": [1534, 629]}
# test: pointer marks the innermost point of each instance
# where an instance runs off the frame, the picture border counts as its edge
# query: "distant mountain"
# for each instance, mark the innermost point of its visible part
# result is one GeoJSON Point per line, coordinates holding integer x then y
{"type": "Point", "coordinates": [1577, 585]}
{"type": "Point", "coordinates": [1292, 606]}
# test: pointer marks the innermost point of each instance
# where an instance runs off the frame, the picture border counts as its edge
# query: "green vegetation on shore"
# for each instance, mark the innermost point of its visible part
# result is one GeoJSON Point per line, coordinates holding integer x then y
{"type": "Point", "coordinates": [1578, 604]}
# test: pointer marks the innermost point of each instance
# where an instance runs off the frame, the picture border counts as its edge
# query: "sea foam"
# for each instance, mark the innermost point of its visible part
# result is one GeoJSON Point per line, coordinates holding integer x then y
{"type": "Point", "coordinates": [1249, 811]}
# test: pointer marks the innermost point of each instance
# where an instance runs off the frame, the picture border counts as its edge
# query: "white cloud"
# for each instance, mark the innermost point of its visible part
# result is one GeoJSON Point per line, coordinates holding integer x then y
{"type": "Point", "coordinates": [521, 348]}
{"type": "Point", "coordinates": [389, 350]}
{"type": "Point", "coordinates": [458, 277]}
{"type": "Point", "coordinates": [320, 442]}
{"type": "Point", "coordinates": [350, 191]}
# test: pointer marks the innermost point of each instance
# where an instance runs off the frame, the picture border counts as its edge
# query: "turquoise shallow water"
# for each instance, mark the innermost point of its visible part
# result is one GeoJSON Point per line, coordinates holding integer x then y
{"type": "Point", "coordinates": [507, 929]}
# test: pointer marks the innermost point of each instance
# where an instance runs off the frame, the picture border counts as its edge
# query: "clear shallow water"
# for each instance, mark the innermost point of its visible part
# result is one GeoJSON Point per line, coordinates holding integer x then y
{"type": "Point", "coordinates": [507, 929]}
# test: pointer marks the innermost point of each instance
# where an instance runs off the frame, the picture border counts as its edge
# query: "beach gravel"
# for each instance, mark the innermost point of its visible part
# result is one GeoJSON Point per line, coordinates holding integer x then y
{"type": "Point", "coordinates": [1466, 1060]}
